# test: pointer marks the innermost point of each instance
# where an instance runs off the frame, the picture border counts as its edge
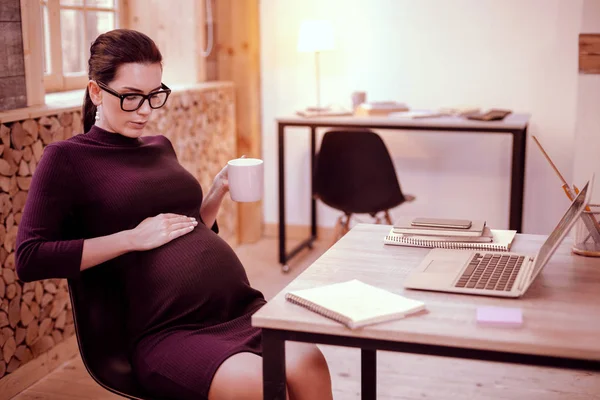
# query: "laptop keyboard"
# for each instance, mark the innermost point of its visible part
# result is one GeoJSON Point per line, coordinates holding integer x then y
{"type": "Point", "coordinates": [491, 272]}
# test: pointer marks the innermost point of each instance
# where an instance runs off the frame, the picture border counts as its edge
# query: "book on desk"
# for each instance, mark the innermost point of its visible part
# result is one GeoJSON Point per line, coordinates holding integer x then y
{"type": "Point", "coordinates": [477, 235]}
{"type": "Point", "coordinates": [407, 225]}
{"type": "Point", "coordinates": [501, 241]}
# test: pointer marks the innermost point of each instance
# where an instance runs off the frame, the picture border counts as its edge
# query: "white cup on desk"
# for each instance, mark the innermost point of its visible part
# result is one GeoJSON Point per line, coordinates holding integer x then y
{"type": "Point", "coordinates": [246, 179]}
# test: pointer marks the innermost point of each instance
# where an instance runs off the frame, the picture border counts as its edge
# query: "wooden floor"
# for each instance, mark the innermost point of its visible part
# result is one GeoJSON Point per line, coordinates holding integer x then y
{"type": "Point", "coordinates": [399, 376]}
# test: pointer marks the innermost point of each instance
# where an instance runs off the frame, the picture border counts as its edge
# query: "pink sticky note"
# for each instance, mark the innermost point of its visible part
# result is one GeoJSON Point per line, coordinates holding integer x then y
{"type": "Point", "coordinates": [500, 316]}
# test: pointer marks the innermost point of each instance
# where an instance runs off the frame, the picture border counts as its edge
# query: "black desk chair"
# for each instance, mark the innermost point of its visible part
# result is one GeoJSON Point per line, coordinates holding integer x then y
{"type": "Point", "coordinates": [100, 327]}
{"type": "Point", "coordinates": [354, 173]}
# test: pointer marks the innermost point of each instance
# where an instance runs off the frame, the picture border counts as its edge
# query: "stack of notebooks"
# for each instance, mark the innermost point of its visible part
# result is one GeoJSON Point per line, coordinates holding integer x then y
{"type": "Point", "coordinates": [476, 236]}
{"type": "Point", "coordinates": [379, 108]}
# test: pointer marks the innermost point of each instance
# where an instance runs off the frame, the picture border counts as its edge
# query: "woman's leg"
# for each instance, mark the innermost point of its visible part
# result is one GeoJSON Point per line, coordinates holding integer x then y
{"type": "Point", "coordinates": [307, 375]}
{"type": "Point", "coordinates": [238, 377]}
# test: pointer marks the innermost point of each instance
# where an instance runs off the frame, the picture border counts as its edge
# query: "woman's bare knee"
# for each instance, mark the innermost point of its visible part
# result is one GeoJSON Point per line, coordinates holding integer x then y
{"type": "Point", "coordinates": [238, 377]}
{"type": "Point", "coordinates": [307, 372]}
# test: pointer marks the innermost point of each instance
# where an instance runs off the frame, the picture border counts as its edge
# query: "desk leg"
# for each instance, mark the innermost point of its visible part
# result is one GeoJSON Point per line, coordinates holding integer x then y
{"type": "Point", "coordinates": [517, 181]}
{"type": "Point", "coordinates": [282, 257]}
{"type": "Point", "coordinates": [368, 371]}
{"type": "Point", "coordinates": [313, 202]}
{"type": "Point", "coordinates": [273, 366]}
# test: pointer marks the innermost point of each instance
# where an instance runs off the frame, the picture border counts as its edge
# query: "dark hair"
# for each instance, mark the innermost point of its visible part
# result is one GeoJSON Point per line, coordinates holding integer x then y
{"type": "Point", "coordinates": [108, 52]}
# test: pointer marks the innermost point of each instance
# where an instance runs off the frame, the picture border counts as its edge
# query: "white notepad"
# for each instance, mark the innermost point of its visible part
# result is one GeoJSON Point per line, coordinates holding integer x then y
{"type": "Point", "coordinates": [355, 303]}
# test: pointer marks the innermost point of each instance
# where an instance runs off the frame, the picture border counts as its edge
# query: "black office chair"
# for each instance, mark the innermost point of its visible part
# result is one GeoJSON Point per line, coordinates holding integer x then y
{"type": "Point", "coordinates": [354, 173]}
{"type": "Point", "coordinates": [100, 328]}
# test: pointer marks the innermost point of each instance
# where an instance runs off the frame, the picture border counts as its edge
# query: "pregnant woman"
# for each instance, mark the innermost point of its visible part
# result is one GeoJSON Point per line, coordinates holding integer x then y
{"type": "Point", "coordinates": [113, 200]}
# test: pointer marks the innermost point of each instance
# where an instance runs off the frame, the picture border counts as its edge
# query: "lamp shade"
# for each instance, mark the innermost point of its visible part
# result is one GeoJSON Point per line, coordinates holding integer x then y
{"type": "Point", "coordinates": [315, 35]}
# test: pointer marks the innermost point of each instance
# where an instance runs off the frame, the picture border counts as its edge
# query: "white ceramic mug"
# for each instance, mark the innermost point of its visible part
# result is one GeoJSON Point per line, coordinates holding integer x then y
{"type": "Point", "coordinates": [246, 179]}
{"type": "Point", "coordinates": [358, 98]}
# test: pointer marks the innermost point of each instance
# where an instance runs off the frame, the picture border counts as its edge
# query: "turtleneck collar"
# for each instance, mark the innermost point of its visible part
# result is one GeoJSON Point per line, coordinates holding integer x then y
{"type": "Point", "coordinates": [111, 138]}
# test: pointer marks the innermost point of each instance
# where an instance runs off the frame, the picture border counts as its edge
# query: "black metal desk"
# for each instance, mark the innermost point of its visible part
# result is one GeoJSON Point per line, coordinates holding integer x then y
{"type": "Point", "coordinates": [514, 124]}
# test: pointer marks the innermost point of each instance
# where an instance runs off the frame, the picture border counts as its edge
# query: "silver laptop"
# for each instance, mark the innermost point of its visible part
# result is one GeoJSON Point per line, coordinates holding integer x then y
{"type": "Point", "coordinates": [492, 273]}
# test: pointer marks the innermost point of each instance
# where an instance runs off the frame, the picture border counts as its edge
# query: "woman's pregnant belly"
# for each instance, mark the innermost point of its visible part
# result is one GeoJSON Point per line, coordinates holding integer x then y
{"type": "Point", "coordinates": [195, 280]}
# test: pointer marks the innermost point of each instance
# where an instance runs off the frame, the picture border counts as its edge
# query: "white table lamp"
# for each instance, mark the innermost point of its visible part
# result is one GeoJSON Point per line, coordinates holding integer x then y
{"type": "Point", "coordinates": [316, 36]}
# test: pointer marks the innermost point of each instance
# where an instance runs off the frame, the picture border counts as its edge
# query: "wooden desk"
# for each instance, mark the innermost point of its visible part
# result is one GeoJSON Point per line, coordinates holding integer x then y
{"type": "Point", "coordinates": [560, 312]}
{"type": "Point", "coordinates": [514, 124]}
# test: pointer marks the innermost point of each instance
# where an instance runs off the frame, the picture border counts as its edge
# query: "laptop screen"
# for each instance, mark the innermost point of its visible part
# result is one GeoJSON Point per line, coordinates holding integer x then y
{"type": "Point", "coordinates": [559, 233]}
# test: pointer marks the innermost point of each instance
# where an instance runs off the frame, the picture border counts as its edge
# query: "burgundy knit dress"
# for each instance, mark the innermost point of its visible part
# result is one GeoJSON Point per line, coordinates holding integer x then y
{"type": "Point", "coordinates": [188, 302]}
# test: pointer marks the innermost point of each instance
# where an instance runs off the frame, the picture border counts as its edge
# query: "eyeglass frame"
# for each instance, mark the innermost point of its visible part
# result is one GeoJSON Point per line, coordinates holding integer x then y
{"type": "Point", "coordinates": [163, 89]}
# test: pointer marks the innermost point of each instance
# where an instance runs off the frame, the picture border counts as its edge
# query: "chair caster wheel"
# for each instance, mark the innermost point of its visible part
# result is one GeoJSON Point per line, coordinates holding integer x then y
{"type": "Point", "coordinates": [285, 268]}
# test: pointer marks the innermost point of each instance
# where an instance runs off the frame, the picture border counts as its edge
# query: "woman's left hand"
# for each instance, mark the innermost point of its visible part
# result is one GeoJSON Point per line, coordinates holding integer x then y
{"type": "Point", "coordinates": [221, 181]}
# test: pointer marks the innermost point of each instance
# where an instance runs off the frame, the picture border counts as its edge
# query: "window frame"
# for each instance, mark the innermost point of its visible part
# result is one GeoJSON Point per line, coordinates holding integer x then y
{"type": "Point", "coordinates": [57, 80]}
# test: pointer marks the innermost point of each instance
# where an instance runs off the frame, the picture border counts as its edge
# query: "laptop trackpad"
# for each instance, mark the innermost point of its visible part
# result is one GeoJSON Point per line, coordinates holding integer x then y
{"type": "Point", "coordinates": [441, 267]}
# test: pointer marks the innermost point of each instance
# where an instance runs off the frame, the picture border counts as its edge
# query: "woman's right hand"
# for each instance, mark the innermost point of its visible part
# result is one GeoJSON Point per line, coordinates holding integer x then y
{"type": "Point", "coordinates": [156, 231]}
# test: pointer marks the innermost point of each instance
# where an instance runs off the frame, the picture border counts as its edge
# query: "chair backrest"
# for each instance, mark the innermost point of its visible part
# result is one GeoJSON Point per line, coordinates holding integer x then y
{"type": "Point", "coordinates": [354, 173]}
{"type": "Point", "coordinates": [99, 315]}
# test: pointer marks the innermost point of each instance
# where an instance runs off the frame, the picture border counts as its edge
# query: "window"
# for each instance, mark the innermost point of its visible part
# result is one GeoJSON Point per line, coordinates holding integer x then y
{"type": "Point", "coordinates": [69, 27]}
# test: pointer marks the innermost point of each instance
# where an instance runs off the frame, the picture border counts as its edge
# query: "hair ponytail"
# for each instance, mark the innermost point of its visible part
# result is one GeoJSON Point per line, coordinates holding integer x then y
{"type": "Point", "coordinates": [88, 111]}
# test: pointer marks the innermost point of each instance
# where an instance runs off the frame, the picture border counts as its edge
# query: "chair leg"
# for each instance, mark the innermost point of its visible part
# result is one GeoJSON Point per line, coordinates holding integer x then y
{"type": "Point", "coordinates": [346, 226]}
{"type": "Point", "coordinates": [341, 228]}
{"type": "Point", "coordinates": [337, 231]}
{"type": "Point", "coordinates": [387, 217]}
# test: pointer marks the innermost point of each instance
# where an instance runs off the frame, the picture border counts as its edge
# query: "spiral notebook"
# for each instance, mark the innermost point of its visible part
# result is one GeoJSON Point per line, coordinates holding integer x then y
{"type": "Point", "coordinates": [355, 303]}
{"type": "Point", "coordinates": [485, 237]}
{"type": "Point", "coordinates": [501, 241]}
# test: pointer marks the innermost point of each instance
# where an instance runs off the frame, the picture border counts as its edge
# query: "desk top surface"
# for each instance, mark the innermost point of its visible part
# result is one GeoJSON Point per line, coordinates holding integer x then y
{"type": "Point", "coordinates": [510, 122]}
{"type": "Point", "coordinates": [560, 309]}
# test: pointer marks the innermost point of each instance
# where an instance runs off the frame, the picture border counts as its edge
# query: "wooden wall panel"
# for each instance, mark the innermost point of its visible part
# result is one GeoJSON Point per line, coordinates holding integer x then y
{"type": "Point", "coordinates": [589, 53]}
{"type": "Point", "coordinates": [13, 91]}
{"type": "Point", "coordinates": [10, 10]}
{"type": "Point", "coordinates": [31, 25]}
{"type": "Point", "coordinates": [211, 62]}
{"type": "Point", "coordinates": [11, 49]}
{"type": "Point", "coordinates": [237, 51]}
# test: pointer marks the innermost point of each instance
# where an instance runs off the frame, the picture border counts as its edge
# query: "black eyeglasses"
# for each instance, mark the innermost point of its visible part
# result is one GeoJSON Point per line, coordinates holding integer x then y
{"type": "Point", "coordinates": [132, 101]}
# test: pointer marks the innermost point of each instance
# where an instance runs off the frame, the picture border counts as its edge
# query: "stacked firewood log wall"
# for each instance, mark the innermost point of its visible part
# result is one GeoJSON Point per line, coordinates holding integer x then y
{"type": "Point", "coordinates": [36, 316]}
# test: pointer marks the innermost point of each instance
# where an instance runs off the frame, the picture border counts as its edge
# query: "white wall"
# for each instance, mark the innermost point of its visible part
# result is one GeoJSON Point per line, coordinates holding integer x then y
{"type": "Point", "coordinates": [587, 136]}
{"type": "Point", "coordinates": [517, 54]}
